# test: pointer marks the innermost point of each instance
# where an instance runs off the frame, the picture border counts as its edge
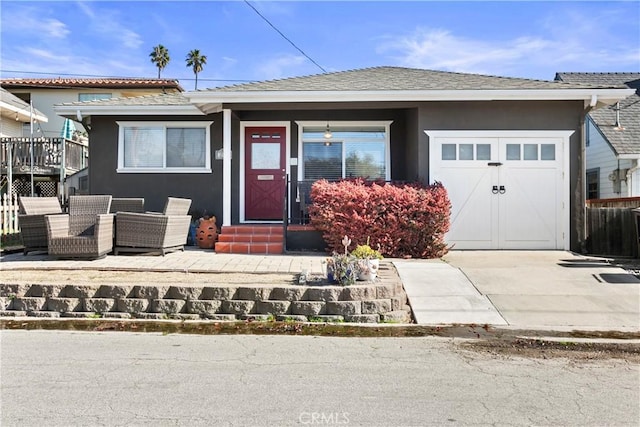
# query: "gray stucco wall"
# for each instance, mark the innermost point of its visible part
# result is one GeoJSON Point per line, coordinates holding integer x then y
{"type": "Point", "coordinates": [409, 145]}
{"type": "Point", "coordinates": [505, 115]}
{"type": "Point", "coordinates": [205, 190]}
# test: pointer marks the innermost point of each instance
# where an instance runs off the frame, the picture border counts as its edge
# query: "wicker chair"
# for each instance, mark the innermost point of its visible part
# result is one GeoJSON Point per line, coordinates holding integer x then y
{"type": "Point", "coordinates": [32, 223]}
{"type": "Point", "coordinates": [154, 232]}
{"type": "Point", "coordinates": [127, 205]}
{"type": "Point", "coordinates": [86, 232]}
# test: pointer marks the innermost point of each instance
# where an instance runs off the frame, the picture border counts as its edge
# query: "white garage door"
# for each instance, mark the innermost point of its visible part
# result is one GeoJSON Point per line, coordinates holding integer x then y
{"type": "Point", "coordinates": [508, 190]}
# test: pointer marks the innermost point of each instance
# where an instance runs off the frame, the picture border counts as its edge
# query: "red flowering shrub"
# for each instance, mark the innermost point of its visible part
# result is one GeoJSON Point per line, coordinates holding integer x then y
{"type": "Point", "coordinates": [403, 220]}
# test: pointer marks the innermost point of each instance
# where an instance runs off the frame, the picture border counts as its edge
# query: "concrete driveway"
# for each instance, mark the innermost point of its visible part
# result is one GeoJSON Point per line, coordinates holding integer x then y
{"type": "Point", "coordinates": [550, 289]}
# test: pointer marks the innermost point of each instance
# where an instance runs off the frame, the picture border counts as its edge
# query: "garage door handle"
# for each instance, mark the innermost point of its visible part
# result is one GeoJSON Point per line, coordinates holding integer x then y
{"type": "Point", "coordinates": [502, 189]}
{"type": "Point", "coordinates": [494, 164]}
{"type": "Point", "coordinates": [495, 190]}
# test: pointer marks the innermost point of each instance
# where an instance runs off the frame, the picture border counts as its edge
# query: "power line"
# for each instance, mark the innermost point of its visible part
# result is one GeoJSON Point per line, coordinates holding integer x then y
{"type": "Point", "coordinates": [284, 37]}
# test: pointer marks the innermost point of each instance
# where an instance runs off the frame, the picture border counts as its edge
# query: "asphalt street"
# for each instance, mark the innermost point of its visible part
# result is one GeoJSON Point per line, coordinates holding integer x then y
{"type": "Point", "coordinates": [59, 378]}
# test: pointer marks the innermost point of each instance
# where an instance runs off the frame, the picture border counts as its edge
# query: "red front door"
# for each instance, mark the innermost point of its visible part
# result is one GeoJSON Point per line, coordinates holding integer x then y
{"type": "Point", "coordinates": [264, 172]}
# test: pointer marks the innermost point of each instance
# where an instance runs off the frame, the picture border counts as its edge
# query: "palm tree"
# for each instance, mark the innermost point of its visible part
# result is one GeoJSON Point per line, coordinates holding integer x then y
{"type": "Point", "coordinates": [160, 56]}
{"type": "Point", "coordinates": [196, 61]}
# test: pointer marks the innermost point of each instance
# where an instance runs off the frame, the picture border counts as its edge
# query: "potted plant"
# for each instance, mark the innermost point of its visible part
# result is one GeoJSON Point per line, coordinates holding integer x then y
{"type": "Point", "coordinates": [368, 261]}
{"type": "Point", "coordinates": [342, 268]}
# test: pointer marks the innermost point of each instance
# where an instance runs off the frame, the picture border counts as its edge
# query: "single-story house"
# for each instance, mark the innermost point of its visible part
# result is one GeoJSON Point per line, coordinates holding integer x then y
{"type": "Point", "coordinates": [612, 138]}
{"type": "Point", "coordinates": [508, 150]}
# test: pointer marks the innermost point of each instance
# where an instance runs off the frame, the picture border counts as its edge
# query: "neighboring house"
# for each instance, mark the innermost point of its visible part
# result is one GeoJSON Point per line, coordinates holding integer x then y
{"type": "Point", "coordinates": [506, 149]}
{"type": "Point", "coordinates": [16, 114]}
{"type": "Point", "coordinates": [44, 93]}
{"type": "Point", "coordinates": [612, 138]}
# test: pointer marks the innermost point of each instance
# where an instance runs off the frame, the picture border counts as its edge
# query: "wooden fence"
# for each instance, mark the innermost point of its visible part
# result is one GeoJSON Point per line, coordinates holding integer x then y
{"type": "Point", "coordinates": [9, 214]}
{"type": "Point", "coordinates": [622, 202]}
{"type": "Point", "coordinates": [612, 231]}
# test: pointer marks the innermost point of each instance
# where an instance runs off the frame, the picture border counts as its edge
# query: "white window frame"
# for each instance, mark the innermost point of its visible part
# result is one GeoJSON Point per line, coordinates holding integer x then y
{"type": "Point", "coordinates": [344, 124]}
{"type": "Point", "coordinates": [99, 96]}
{"type": "Point", "coordinates": [191, 124]}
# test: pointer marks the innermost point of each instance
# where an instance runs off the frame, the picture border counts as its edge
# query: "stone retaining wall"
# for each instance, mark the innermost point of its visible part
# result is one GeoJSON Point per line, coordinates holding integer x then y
{"type": "Point", "coordinates": [370, 302]}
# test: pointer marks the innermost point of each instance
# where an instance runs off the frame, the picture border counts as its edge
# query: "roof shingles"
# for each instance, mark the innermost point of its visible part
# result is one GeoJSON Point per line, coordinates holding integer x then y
{"type": "Point", "coordinates": [398, 78]}
{"type": "Point", "coordinates": [625, 139]}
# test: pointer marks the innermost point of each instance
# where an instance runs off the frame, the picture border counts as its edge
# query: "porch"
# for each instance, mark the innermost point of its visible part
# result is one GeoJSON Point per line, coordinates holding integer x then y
{"type": "Point", "coordinates": [49, 160]}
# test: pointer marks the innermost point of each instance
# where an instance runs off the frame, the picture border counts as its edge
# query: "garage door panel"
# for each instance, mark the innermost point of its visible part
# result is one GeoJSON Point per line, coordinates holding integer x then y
{"type": "Point", "coordinates": [528, 209]}
{"type": "Point", "coordinates": [529, 213]}
{"type": "Point", "coordinates": [471, 215]}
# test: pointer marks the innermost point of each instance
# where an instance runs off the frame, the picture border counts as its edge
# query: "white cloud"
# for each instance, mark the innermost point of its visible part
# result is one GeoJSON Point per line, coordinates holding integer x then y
{"type": "Point", "coordinates": [54, 28]}
{"type": "Point", "coordinates": [31, 21]}
{"type": "Point", "coordinates": [568, 42]}
{"type": "Point", "coordinates": [107, 23]}
{"type": "Point", "coordinates": [442, 50]}
{"type": "Point", "coordinates": [280, 67]}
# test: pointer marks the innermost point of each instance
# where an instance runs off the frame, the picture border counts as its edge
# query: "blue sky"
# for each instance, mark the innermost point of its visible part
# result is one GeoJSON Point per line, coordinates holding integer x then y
{"type": "Point", "coordinates": [518, 39]}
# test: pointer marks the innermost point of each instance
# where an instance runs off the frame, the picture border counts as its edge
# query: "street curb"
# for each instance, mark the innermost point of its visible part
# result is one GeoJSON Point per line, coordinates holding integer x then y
{"type": "Point", "coordinates": [248, 327]}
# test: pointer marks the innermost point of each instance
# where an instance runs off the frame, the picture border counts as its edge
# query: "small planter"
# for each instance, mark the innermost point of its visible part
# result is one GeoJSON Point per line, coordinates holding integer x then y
{"type": "Point", "coordinates": [207, 233]}
{"type": "Point", "coordinates": [342, 270]}
{"type": "Point", "coordinates": [368, 269]}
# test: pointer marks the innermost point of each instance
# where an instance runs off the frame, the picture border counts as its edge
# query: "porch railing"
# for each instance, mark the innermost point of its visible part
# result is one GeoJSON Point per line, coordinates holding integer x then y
{"type": "Point", "coordinates": [9, 214]}
{"type": "Point", "coordinates": [15, 153]}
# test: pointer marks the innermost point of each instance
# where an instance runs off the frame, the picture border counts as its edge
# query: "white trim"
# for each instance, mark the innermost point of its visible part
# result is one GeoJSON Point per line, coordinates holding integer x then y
{"type": "Point", "coordinates": [629, 156]}
{"type": "Point", "coordinates": [339, 123]}
{"type": "Point", "coordinates": [173, 124]}
{"type": "Point", "coordinates": [243, 126]}
{"type": "Point", "coordinates": [564, 135]}
{"type": "Point", "coordinates": [23, 112]}
{"type": "Point", "coordinates": [226, 167]}
{"type": "Point", "coordinates": [500, 133]}
{"type": "Point", "coordinates": [604, 96]}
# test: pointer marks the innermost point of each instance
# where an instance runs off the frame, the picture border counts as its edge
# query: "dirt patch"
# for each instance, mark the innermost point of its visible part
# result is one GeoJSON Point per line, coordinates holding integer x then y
{"type": "Point", "coordinates": [476, 339]}
{"type": "Point", "coordinates": [154, 277]}
{"type": "Point", "coordinates": [544, 349]}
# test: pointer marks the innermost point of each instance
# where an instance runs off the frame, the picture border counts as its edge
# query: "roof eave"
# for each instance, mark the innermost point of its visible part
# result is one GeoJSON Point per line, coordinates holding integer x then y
{"type": "Point", "coordinates": [71, 111]}
{"type": "Point", "coordinates": [23, 112]}
{"type": "Point", "coordinates": [604, 96]}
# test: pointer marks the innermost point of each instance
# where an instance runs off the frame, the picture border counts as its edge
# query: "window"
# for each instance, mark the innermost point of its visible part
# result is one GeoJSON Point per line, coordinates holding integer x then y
{"type": "Point", "coordinates": [530, 151]}
{"type": "Point", "coordinates": [593, 190]}
{"type": "Point", "coordinates": [179, 147]}
{"type": "Point", "coordinates": [466, 151]}
{"type": "Point", "coordinates": [354, 150]}
{"type": "Point", "coordinates": [93, 96]}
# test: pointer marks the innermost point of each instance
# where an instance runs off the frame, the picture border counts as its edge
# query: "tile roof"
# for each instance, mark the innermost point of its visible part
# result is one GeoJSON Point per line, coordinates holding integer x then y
{"type": "Point", "coordinates": [627, 139]}
{"type": "Point", "coordinates": [398, 78]}
{"type": "Point", "coordinates": [111, 83]}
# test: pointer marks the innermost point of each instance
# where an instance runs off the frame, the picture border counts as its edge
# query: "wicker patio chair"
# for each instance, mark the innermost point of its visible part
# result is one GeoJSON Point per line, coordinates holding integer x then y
{"type": "Point", "coordinates": [86, 232]}
{"type": "Point", "coordinates": [154, 232]}
{"type": "Point", "coordinates": [32, 223]}
{"type": "Point", "coordinates": [127, 204]}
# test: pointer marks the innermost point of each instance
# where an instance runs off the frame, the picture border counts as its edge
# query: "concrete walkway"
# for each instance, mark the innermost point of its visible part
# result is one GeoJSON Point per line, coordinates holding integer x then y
{"type": "Point", "coordinates": [554, 289]}
{"type": "Point", "coordinates": [524, 289]}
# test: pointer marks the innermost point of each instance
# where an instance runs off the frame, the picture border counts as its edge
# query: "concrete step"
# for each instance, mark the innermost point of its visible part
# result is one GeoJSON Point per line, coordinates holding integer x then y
{"type": "Point", "coordinates": [252, 229]}
{"type": "Point", "coordinates": [249, 248]}
{"type": "Point", "coordinates": [251, 239]}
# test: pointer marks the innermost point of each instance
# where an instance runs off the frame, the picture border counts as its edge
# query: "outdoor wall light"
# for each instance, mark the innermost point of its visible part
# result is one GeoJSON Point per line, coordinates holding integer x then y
{"type": "Point", "coordinates": [327, 133]}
